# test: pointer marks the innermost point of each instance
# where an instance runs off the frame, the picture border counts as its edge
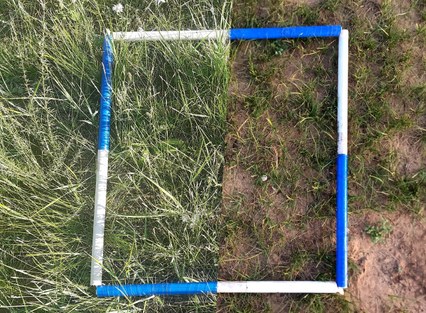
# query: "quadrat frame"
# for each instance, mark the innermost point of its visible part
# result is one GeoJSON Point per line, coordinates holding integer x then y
{"type": "Point", "coordinates": [182, 288]}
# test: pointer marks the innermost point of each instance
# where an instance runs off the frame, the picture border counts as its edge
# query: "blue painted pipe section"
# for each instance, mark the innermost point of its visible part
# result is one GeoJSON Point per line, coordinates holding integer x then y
{"type": "Point", "coordinates": [168, 289]}
{"type": "Point", "coordinates": [342, 222]}
{"type": "Point", "coordinates": [285, 32]}
{"type": "Point", "coordinates": [106, 94]}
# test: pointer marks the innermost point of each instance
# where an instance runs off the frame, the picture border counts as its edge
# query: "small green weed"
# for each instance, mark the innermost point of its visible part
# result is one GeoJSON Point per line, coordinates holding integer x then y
{"type": "Point", "coordinates": [379, 231]}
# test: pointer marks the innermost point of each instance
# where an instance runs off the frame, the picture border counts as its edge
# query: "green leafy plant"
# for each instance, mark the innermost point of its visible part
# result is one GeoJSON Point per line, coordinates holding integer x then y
{"type": "Point", "coordinates": [379, 231]}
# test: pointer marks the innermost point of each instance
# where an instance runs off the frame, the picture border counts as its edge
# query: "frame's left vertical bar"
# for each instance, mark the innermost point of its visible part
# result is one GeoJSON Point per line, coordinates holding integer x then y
{"type": "Point", "coordinates": [102, 163]}
{"type": "Point", "coordinates": [342, 162]}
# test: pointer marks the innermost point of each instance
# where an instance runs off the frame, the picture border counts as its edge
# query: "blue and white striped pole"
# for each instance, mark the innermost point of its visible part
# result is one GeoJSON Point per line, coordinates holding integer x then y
{"type": "Point", "coordinates": [233, 34]}
{"type": "Point", "coordinates": [173, 289]}
{"type": "Point", "coordinates": [342, 162]}
{"type": "Point", "coordinates": [102, 163]}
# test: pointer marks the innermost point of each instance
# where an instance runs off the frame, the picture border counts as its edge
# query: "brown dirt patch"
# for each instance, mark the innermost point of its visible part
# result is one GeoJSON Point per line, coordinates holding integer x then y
{"type": "Point", "coordinates": [409, 153]}
{"type": "Point", "coordinates": [303, 2]}
{"type": "Point", "coordinates": [415, 75]}
{"type": "Point", "coordinates": [297, 68]}
{"type": "Point", "coordinates": [243, 85]}
{"type": "Point", "coordinates": [390, 276]}
{"type": "Point", "coordinates": [241, 256]}
{"type": "Point", "coordinates": [407, 15]}
{"type": "Point", "coordinates": [237, 180]}
{"type": "Point", "coordinates": [282, 229]}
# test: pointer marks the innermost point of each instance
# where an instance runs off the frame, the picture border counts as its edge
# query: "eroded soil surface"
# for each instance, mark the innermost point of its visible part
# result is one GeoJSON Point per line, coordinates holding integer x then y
{"type": "Point", "coordinates": [390, 275]}
{"type": "Point", "coordinates": [278, 188]}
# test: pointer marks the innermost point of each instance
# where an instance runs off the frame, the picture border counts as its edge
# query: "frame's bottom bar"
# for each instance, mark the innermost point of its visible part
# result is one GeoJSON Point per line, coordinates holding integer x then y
{"type": "Point", "coordinates": [218, 287]}
{"type": "Point", "coordinates": [278, 287]}
{"type": "Point", "coordinates": [164, 289]}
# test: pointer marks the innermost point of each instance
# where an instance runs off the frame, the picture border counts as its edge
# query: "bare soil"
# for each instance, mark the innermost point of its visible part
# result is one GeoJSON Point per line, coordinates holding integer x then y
{"type": "Point", "coordinates": [389, 276]}
{"type": "Point", "coordinates": [275, 234]}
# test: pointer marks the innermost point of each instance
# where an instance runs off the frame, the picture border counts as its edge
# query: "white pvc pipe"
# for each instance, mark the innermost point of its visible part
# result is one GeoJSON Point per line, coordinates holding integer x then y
{"type": "Point", "coordinates": [278, 287]}
{"type": "Point", "coordinates": [171, 35]}
{"type": "Point", "coordinates": [342, 93]}
{"type": "Point", "coordinates": [99, 219]}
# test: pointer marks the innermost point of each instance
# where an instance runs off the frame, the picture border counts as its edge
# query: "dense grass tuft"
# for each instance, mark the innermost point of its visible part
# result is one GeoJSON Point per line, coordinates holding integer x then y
{"type": "Point", "coordinates": [169, 113]}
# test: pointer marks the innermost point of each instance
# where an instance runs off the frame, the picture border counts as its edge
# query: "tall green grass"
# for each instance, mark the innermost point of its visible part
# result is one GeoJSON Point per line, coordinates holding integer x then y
{"type": "Point", "coordinates": [169, 113]}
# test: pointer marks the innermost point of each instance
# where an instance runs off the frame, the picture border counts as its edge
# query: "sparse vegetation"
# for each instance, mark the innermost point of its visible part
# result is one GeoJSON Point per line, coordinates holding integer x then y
{"type": "Point", "coordinates": [283, 124]}
{"type": "Point", "coordinates": [379, 231]}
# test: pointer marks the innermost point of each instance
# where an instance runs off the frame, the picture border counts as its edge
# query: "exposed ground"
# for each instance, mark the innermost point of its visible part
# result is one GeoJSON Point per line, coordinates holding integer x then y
{"type": "Point", "coordinates": [279, 194]}
{"type": "Point", "coordinates": [390, 274]}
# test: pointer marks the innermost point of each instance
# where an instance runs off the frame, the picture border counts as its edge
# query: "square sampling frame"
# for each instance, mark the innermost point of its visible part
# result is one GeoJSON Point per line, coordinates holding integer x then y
{"type": "Point", "coordinates": [182, 288]}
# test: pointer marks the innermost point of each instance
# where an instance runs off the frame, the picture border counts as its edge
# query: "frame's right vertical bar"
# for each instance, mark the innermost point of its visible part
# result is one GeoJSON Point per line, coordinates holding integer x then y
{"type": "Point", "coordinates": [342, 162]}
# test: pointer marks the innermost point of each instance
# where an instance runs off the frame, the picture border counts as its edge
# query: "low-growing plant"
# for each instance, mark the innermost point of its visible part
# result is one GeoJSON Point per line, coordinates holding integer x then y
{"type": "Point", "coordinates": [379, 231]}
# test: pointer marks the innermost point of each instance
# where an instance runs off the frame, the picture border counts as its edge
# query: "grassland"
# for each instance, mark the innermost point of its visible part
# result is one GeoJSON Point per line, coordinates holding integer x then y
{"type": "Point", "coordinates": [169, 116]}
{"type": "Point", "coordinates": [170, 108]}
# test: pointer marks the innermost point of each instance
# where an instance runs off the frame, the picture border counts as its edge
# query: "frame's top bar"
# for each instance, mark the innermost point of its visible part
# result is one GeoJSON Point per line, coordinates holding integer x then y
{"type": "Point", "coordinates": [233, 34]}
{"type": "Point", "coordinates": [171, 35]}
{"type": "Point", "coordinates": [285, 32]}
